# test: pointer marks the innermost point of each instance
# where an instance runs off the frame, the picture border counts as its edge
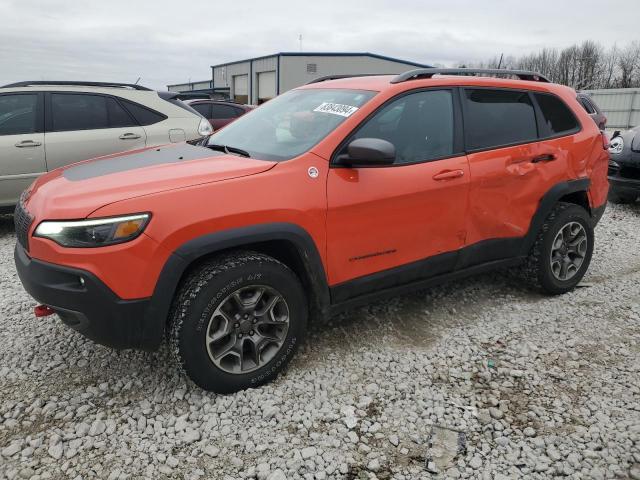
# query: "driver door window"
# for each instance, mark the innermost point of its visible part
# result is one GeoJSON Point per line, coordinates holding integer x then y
{"type": "Point", "coordinates": [420, 126]}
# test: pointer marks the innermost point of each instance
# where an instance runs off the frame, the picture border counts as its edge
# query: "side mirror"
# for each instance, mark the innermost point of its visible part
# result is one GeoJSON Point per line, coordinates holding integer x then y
{"type": "Point", "coordinates": [364, 152]}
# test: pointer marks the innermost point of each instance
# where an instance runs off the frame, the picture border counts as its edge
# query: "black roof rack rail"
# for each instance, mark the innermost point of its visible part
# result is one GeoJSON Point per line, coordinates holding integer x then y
{"type": "Point", "coordinates": [77, 84]}
{"type": "Point", "coordinates": [430, 72]}
{"type": "Point", "coordinates": [338, 77]}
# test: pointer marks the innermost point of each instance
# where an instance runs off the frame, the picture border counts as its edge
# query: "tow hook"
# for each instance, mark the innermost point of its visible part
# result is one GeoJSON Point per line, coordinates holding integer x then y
{"type": "Point", "coordinates": [43, 311]}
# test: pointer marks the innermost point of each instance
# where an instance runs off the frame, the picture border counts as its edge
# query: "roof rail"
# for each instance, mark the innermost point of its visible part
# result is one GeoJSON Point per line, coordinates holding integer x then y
{"type": "Point", "coordinates": [338, 77]}
{"type": "Point", "coordinates": [77, 84]}
{"type": "Point", "coordinates": [430, 72]}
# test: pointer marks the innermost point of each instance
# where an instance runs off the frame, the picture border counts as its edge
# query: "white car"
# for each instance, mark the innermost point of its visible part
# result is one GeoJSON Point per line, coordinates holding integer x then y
{"type": "Point", "coordinates": [45, 125]}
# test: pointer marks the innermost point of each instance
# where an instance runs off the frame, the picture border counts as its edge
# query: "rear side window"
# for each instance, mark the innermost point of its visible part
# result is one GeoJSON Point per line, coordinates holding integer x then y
{"type": "Point", "coordinates": [18, 114]}
{"type": "Point", "coordinates": [556, 115]}
{"type": "Point", "coordinates": [71, 112]}
{"type": "Point", "coordinates": [224, 111]}
{"type": "Point", "coordinates": [587, 105]}
{"type": "Point", "coordinates": [118, 116]}
{"type": "Point", "coordinates": [203, 109]}
{"type": "Point", "coordinates": [143, 115]}
{"type": "Point", "coordinates": [496, 118]}
{"type": "Point", "coordinates": [78, 112]}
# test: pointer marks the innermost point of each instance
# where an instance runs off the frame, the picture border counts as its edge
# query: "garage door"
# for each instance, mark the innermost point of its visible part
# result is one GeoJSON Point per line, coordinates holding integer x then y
{"type": "Point", "coordinates": [241, 88]}
{"type": "Point", "coordinates": [266, 86]}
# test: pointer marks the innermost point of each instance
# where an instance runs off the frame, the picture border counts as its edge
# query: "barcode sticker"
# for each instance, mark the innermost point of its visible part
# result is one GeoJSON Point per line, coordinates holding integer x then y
{"type": "Point", "coordinates": [336, 109]}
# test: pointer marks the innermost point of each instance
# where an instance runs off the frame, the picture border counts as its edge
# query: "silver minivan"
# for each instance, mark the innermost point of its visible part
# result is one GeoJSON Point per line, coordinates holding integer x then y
{"type": "Point", "coordinates": [45, 125]}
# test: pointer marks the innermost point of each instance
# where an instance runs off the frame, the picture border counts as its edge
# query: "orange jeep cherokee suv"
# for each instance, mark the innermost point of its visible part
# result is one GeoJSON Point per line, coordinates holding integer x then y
{"type": "Point", "coordinates": [329, 195]}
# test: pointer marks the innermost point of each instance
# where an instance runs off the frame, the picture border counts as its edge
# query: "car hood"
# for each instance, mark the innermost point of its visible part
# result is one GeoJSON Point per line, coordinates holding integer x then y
{"type": "Point", "coordinates": [77, 190]}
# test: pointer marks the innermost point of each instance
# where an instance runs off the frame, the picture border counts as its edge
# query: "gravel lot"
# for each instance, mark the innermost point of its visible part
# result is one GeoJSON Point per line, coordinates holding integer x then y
{"type": "Point", "coordinates": [478, 379]}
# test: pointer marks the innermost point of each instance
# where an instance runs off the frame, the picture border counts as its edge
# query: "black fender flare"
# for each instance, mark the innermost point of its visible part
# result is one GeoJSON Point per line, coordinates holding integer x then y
{"type": "Point", "coordinates": [199, 247]}
{"type": "Point", "coordinates": [547, 203]}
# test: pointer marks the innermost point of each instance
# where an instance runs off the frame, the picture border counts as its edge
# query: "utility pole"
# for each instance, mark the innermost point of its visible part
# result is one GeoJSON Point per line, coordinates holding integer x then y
{"type": "Point", "coordinates": [500, 62]}
{"type": "Point", "coordinates": [300, 40]}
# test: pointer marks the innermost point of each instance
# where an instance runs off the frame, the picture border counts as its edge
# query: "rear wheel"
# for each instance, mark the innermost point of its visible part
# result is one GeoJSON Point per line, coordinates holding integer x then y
{"type": "Point", "coordinates": [562, 252]}
{"type": "Point", "coordinates": [237, 321]}
{"type": "Point", "coordinates": [622, 197]}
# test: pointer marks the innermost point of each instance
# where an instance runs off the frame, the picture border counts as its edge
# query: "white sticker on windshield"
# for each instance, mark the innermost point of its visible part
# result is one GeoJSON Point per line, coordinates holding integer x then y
{"type": "Point", "coordinates": [336, 109]}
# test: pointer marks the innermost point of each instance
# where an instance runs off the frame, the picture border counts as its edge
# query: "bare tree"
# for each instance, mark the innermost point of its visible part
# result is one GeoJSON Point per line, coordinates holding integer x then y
{"type": "Point", "coordinates": [589, 64]}
{"type": "Point", "coordinates": [582, 66]}
{"type": "Point", "coordinates": [608, 70]}
{"type": "Point", "coordinates": [628, 64]}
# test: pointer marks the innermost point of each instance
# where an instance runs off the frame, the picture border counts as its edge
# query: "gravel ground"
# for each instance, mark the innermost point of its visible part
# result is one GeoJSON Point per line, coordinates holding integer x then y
{"type": "Point", "coordinates": [477, 379]}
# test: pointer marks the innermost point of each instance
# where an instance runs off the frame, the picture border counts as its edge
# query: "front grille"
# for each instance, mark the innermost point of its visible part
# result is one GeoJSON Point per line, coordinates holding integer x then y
{"type": "Point", "coordinates": [23, 222]}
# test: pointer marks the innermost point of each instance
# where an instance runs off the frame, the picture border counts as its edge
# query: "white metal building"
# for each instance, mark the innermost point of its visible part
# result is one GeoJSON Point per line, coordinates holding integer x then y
{"type": "Point", "coordinates": [203, 86]}
{"type": "Point", "coordinates": [620, 105]}
{"type": "Point", "coordinates": [259, 79]}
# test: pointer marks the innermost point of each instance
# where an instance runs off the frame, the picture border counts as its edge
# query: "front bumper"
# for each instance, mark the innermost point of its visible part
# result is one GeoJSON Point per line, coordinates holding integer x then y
{"type": "Point", "coordinates": [624, 173]}
{"type": "Point", "coordinates": [622, 184]}
{"type": "Point", "coordinates": [88, 305]}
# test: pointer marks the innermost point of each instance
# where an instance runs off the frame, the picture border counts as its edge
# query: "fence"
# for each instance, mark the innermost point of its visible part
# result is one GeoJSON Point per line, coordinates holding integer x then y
{"type": "Point", "coordinates": [620, 105]}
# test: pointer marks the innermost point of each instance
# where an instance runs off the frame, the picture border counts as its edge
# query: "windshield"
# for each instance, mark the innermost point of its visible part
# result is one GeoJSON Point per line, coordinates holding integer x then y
{"type": "Point", "coordinates": [290, 124]}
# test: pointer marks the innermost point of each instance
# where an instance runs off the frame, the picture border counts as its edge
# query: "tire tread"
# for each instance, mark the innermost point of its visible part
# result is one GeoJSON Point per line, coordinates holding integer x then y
{"type": "Point", "coordinates": [194, 283]}
{"type": "Point", "coordinates": [532, 269]}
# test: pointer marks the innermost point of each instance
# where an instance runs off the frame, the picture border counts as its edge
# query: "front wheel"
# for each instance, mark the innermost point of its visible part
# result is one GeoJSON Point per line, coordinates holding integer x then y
{"type": "Point", "coordinates": [562, 252]}
{"type": "Point", "coordinates": [237, 321]}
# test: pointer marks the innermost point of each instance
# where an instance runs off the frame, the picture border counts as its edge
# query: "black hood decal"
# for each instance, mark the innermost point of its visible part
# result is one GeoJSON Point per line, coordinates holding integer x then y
{"type": "Point", "coordinates": [153, 156]}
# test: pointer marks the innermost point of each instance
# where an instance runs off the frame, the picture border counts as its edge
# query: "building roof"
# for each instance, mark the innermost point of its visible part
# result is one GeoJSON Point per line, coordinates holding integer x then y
{"type": "Point", "coordinates": [308, 54]}
{"type": "Point", "coordinates": [193, 82]}
{"type": "Point", "coordinates": [325, 54]}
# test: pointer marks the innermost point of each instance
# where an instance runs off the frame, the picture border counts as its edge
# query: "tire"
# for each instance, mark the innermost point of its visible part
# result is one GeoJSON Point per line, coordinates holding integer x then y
{"type": "Point", "coordinates": [622, 197]}
{"type": "Point", "coordinates": [215, 299]}
{"type": "Point", "coordinates": [542, 269]}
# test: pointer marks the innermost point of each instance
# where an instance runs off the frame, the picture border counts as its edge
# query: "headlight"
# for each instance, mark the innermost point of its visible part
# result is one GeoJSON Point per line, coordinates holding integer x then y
{"type": "Point", "coordinates": [96, 232]}
{"type": "Point", "coordinates": [616, 145]}
{"type": "Point", "coordinates": [205, 129]}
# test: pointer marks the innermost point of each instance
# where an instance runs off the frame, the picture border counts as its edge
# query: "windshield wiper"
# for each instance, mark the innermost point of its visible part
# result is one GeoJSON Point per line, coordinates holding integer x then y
{"type": "Point", "coordinates": [227, 149]}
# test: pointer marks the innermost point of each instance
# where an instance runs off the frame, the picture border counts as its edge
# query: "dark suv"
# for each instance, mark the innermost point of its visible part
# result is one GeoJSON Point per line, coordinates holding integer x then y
{"type": "Point", "coordinates": [624, 166]}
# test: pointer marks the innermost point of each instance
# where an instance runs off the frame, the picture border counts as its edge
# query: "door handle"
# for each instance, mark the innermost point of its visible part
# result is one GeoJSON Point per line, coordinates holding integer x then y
{"type": "Point", "coordinates": [28, 143]}
{"type": "Point", "coordinates": [129, 136]}
{"type": "Point", "coordinates": [449, 175]}
{"type": "Point", "coordinates": [546, 157]}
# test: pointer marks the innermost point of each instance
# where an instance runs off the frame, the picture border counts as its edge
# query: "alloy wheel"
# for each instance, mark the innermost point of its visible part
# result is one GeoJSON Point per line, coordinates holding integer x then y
{"type": "Point", "coordinates": [568, 251]}
{"type": "Point", "coordinates": [247, 329]}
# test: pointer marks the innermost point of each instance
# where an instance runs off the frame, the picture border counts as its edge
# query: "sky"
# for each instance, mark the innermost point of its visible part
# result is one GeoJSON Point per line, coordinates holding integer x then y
{"type": "Point", "coordinates": [167, 42]}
